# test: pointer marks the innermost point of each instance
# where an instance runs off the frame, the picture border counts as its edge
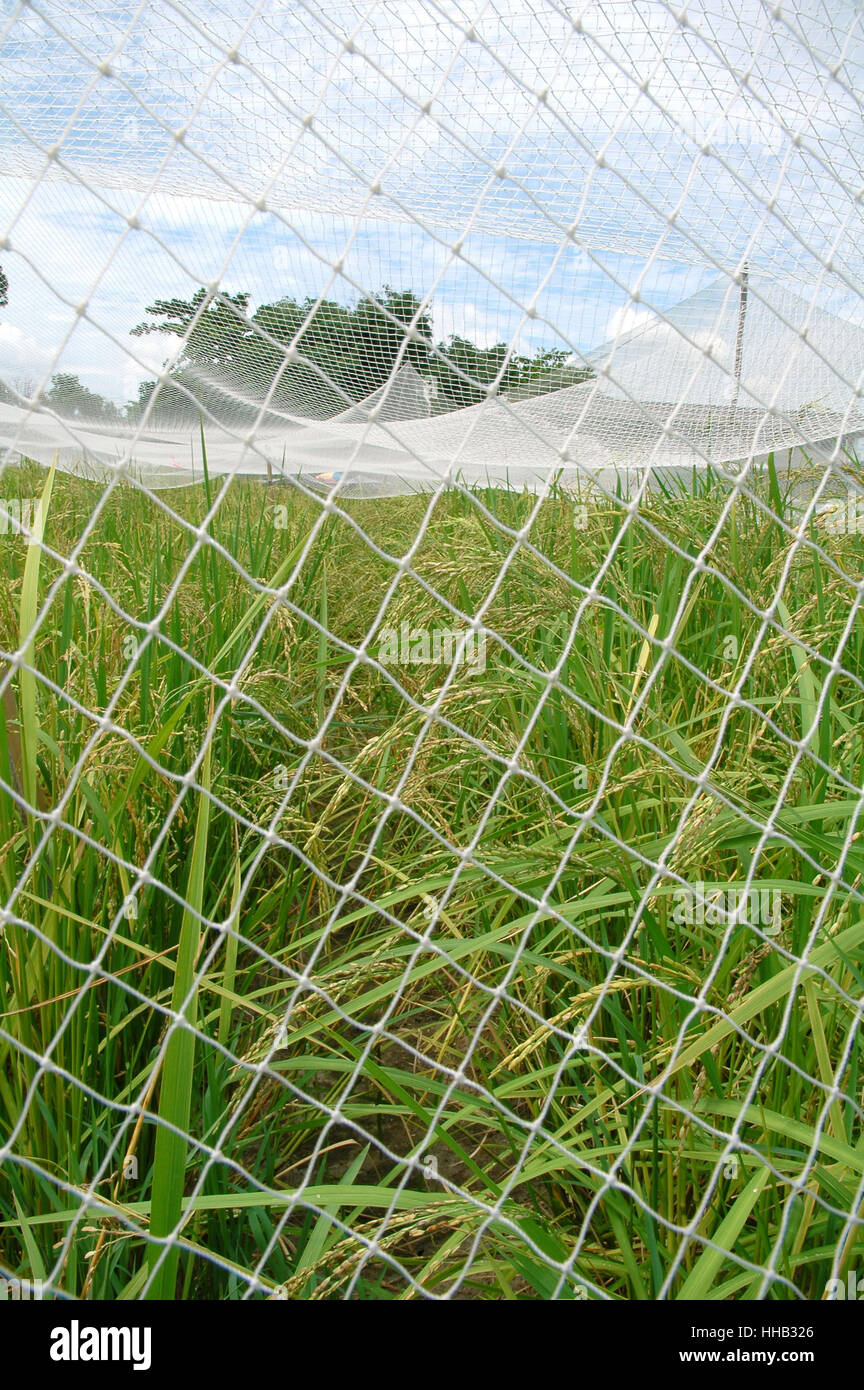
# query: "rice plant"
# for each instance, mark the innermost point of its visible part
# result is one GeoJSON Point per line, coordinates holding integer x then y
{"type": "Point", "coordinates": [252, 985]}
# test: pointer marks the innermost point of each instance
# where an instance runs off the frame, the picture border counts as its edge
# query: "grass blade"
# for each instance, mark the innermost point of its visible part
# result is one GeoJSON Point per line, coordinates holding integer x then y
{"type": "Point", "coordinates": [175, 1095]}
{"type": "Point", "coordinates": [698, 1283]}
{"type": "Point", "coordinates": [27, 622]}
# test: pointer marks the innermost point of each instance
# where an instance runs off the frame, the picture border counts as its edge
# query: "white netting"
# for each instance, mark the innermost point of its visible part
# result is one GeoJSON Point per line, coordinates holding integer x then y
{"type": "Point", "coordinates": [456, 895]}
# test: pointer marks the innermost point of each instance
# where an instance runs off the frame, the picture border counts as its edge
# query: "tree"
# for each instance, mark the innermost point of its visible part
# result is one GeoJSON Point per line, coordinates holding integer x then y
{"type": "Point", "coordinates": [464, 371]}
{"type": "Point", "coordinates": [343, 353]}
{"type": "Point", "coordinates": [315, 358]}
{"type": "Point", "coordinates": [4, 288]}
{"type": "Point", "coordinates": [382, 321]}
{"type": "Point", "coordinates": [302, 357]}
{"type": "Point", "coordinates": [135, 409]}
{"type": "Point", "coordinates": [69, 397]}
{"type": "Point", "coordinates": [212, 326]}
{"type": "Point", "coordinates": [327, 371]}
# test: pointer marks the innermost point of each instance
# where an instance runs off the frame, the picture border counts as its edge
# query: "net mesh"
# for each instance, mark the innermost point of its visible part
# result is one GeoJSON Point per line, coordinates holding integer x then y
{"type": "Point", "coordinates": [457, 897]}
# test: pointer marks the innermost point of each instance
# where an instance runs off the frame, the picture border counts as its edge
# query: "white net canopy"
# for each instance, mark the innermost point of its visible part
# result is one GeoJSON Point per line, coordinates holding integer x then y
{"type": "Point", "coordinates": [536, 179]}
{"type": "Point", "coordinates": [457, 897]}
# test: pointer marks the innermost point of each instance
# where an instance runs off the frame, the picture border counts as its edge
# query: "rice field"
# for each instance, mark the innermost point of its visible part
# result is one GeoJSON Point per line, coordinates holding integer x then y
{"type": "Point", "coordinates": [446, 1021]}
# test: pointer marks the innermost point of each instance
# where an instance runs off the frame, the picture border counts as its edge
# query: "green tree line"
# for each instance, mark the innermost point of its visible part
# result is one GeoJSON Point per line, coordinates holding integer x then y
{"type": "Point", "coordinates": [310, 358]}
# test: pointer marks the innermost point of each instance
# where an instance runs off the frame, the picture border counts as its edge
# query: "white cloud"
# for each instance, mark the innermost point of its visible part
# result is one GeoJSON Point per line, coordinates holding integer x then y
{"type": "Point", "coordinates": [467, 321]}
{"type": "Point", "coordinates": [22, 356]}
{"type": "Point", "coordinates": [625, 319]}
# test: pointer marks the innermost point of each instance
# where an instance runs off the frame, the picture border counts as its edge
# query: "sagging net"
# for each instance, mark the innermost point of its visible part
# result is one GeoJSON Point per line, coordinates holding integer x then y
{"type": "Point", "coordinates": [454, 894]}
